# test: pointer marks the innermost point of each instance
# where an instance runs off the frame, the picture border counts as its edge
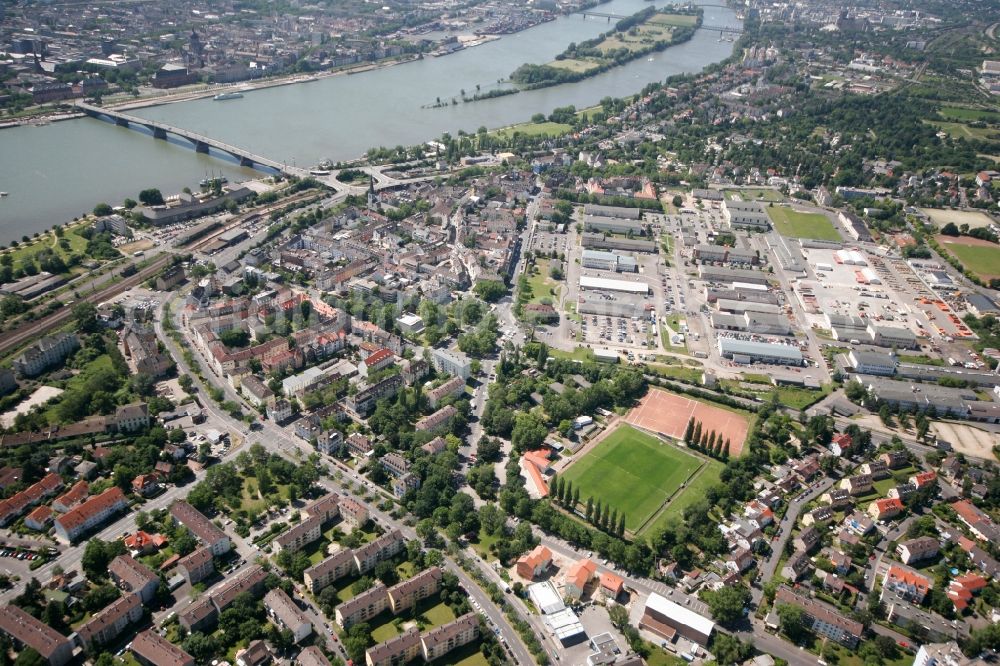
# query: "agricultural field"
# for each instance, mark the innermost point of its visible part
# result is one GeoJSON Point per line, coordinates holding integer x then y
{"type": "Point", "coordinates": [979, 256]}
{"type": "Point", "coordinates": [963, 131]}
{"type": "Point", "coordinates": [795, 224]}
{"type": "Point", "coordinates": [942, 216]}
{"type": "Point", "coordinates": [633, 473]}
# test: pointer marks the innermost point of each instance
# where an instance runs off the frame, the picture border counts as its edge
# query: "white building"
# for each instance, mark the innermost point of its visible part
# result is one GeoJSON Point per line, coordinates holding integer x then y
{"type": "Point", "coordinates": [452, 362]}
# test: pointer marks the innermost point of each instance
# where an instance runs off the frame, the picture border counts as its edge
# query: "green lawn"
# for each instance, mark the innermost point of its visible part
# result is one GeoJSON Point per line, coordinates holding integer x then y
{"type": "Point", "coordinates": [694, 491]}
{"type": "Point", "coordinates": [631, 472]}
{"type": "Point", "coordinates": [920, 359]}
{"type": "Point", "coordinates": [964, 115]}
{"type": "Point", "coordinates": [542, 286]}
{"type": "Point", "coordinates": [429, 613]}
{"type": "Point", "coordinates": [535, 129]}
{"type": "Point", "coordinates": [574, 64]}
{"type": "Point", "coordinates": [467, 655]}
{"type": "Point", "coordinates": [673, 19]}
{"type": "Point", "coordinates": [763, 194]}
{"type": "Point", "coordinates": [963, 131]}
{"type": "Point", "coordinates": [578, 354]}
{"type": "Point", "coordinates": [794, 224]}
{"type": "Point", "coordinates": [983, 260]}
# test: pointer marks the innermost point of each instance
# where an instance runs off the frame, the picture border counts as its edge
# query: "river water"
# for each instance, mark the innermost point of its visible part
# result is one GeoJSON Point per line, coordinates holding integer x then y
{"type": "Point", "coordinates": [55, 172]}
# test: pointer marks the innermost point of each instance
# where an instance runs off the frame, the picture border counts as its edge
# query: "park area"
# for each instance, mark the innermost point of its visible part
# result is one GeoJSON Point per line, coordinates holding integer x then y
{"type": "Point", "coordinates": [668, 414]}
{"type": "Point", "coordinates": [979, 256]}
{"type": "Point", "coordinates": [796, 224]}
{"type": "Point", "coordinates": [635, 474]}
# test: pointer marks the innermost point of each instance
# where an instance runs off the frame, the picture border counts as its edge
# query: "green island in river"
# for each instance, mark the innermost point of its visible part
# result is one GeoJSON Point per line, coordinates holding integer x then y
{"type": "Point", "coordinates": [644, 32]}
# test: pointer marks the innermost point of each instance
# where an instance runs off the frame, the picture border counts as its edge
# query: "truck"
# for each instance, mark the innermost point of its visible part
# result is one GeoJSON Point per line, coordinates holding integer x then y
{"type": "Point", "coordinates": [700, 354]}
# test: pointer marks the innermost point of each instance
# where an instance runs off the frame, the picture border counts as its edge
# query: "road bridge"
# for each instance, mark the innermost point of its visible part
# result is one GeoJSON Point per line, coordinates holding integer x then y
{"type": "Point", "coordinates": [200, 142]}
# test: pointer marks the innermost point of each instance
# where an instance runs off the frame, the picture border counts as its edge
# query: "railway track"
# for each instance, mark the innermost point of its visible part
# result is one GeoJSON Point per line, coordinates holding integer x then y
{"type": "Point", "coordinates": [26, 332]}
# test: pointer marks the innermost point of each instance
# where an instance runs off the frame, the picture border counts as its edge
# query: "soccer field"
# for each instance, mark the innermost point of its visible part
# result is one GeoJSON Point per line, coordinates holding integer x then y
{"type": "Point", "coordinates": [980, 257]}
{"type": "Point", "coordinates": [793, 224]}
{"type": "Point", "coordinates": [632, 472]}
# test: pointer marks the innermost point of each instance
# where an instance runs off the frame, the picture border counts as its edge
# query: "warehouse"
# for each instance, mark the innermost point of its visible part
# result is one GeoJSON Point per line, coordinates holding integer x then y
{"type": "Point", "coordinates": [598, 241]}
{"type": "Point", "coordinates": [739, 307]}
{"type": "Point", "coordinates": [607, 284]}
{"type": "Point", "coordinates": [612, 211]}
{"type": "Point", "coordinates": [731, 275]}
{"type": "Point", "coordinates": [752, 322]}
{"type": "Point", "coordinates": [873, 363]}
{"type": "Point", "coordinates": [746, 351]}
{"type": "Point", "coordinates": [615, 225]}
{"type": "Point", "coordinates": [669, 620]}
{"type": "Point", "coordinates": [609, 261]}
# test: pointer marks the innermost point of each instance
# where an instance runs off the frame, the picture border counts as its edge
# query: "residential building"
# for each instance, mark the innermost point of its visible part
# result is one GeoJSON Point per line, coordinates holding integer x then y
{"type": "Point", "coordinates": [669, 620]}
{"type": "Point", "coordinates": [24, 630]}
{"type": "Point", "coordinates": [917, 550]}
{"type": "Point", "coordinates": [299, 536]}
{"type": "Point", "coordinates": [806, 540]}
{"type": "Point", "coordinates": [796, 567]}
{"type": "Point", "coordinates": [859, 523]}
{"type": "Point", "coordinates": [90, 514]}
{"type": "Point", "coordinates": [980, 524]}
{"type": "Point", "coordinates": [410, 592]}
{"type": "Point", "coordinates": [451, 387]}
{"type": "Point", "coordinates": [198, 615]}
{"type": "Point", "coordinates": [944, 654]}
{"type": "Point", "coordinates": [107, 624]}
{"type": "Point", "coordinates": [363, 607]}
{"type": "Point", "coordinates": [197, 565]}
{"type": "Point", "coordinates": [535, 563]}
{"type": "Point", "coordinates": [396, 651]}
{"type": "Point", "coordinates": [962, 588]}
{"type": "Point", "coordinates": [132, 418]}
{"type": "Point", "coordinates": [201, 527]}
{"type": "Point", "coordinates": [451, 362]}
{"type": "Point", "coordinates": [76, 495]}
{"type": "Point", "coordinates": [823, 619]}
{"type": "Point", "coordinates": [46, 353]}
{"type": "Point", "coordinates": [895, 459]}
{"type": "Point", "coordinates": [249, 580]}
{"type": "Point", "coordinates": [384, 547]}
{"type": "Point", "coordinates": [326, 508]}
{"type": "Point", "coordinates": [286, 614]}
{"type": "Point", "coordinates": [132, 576]}
{"type": "Point", "coordinates": [905, 583]}
{"type": "Point", "coordinates": [818, 516]}
{"type": "Point", "coordinates": [450, 636]}
{"type": "Point", "coordinates": [279, 411]}
{"type": "Point", "coordinates": [255, 654]}
{"type": "Point", "coordinates": [612, 585]}
{"type": "Point", "coordinates": [395, 464]}
{"type": "Point", "coordinates": [256, 391]}
{"type": "Point", "coordinates": [877, 468]}
{"type": "Point", "coordinates": [146, 485]}
{"type": "Point", "coordinates": [151, 649]}
{"type": "Point", "coordinates": [330, 570]}
{"type": "Point", "coordinates": [312, 656]}
{"type": "Point", "coordinates": [381, 359]}
{"type": "Point", "coordinates": [885, 509]}
{"type": "Point", "coordinates": [438, 419]}
{"type": "Point", "coordinates": [359, 445]}
{"type": "Point", "coordinates": [577, 576]}
{"type": "Point", "coordinates": [404, 484]}
{"type": "Point", "coordinates": [837, 498]}
{"type": "Point", "coordinates": [859, 484]}
{"type": "Point", "coordinates": [922, 479]}
{"type": "Point", "coordinates": [354, 513]}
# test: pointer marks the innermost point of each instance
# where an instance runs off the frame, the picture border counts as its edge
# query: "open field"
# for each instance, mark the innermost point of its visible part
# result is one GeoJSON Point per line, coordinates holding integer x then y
{"type": "Point", "coordinates": [535, 129]}
{"type": "Point", "coordinates": [963, 131]}
{"type": "Point", "coordinates": [648, 33]}
{"type": "Point", "coordinates": [979, 256]}
{"type": "Point", "coordinates": [669, 413]}
{"type": "Point", "coordinates": [673, 19]}
{"type": "Point", "coordinates": [965, 115]}
{"type": "Point", "coordinates": [942, 216]}
{"type": "Point", "coordinates": [633, 473]}
{"type": "Point", "coordinates": [694, 491]}
{"type": "Point", "coordinates": [966, 439]}
{"type": "Point", "coordinates": [796, 224]}
{"type": "Point", "coordinates": [542, 286]}
{"type": "Point", "coordinates": [574, 64]}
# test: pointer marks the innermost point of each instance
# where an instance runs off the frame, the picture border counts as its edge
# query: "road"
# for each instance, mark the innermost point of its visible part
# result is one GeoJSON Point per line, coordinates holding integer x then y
{"type": "Point", "coordinates": [787, 523]}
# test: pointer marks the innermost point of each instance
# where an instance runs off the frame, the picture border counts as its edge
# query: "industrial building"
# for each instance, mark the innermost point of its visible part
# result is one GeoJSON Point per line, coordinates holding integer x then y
{"type": "Point", "coordinates": [609, 261]}
{"type": "Point", "coordinates": [747, 351]}
{"type": "Point", "coordinates": [745, 215]}
{"type": "Point", "coordinates": [615, 225]}
{"type": "Point", "coordinates": [669, 620]}
{"type": "Point", "coordinates": [607, 284]}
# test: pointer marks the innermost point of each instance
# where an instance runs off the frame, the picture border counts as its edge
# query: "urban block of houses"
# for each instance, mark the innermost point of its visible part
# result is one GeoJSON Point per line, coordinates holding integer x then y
{"type": "Point", "coordinates": [823, 618]}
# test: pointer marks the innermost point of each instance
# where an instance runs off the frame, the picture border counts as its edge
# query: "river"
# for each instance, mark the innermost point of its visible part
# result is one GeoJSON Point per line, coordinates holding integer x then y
{"type": "Point", "coordinates": [57, 171]}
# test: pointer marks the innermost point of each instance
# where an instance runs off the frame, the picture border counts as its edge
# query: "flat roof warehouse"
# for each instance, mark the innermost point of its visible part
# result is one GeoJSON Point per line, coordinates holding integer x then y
{"type": "Point", "coordinates": [607, 284]}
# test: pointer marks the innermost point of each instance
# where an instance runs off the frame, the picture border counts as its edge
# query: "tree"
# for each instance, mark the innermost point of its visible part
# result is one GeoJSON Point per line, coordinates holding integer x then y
{"type": "Point", "coordinates": [696, 436]}
{"type": "Point", "coordinates": [151, 197]}
{"type": "Point", "coordinates": [30, 657]}
{"type": "Point", "coordinates": [725, 451]}
{"type": "Point", "coordinates": [102, 210]}
{"type": "Point", "coordinates": [729, 650]}
{"type": "Point", "coordinates": [793, 621]}
{"type": "Point", "coordinates": [85, 317]}
{"type": "Point", "coordinates": [97, 555]}
{"type": "Point", "coordinates": [590, 508]}
{"type": "Point", "coordinates": [620, 531]}
{"type": "Point", "coordinates": [727, 603]}
{"type": "Point", "coordinates": [689, 431]}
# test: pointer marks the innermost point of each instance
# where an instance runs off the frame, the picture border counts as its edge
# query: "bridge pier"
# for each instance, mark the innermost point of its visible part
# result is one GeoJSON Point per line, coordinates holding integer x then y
{"type": "Point", "coordinates": [246, 162]}
{"type": "Point", "coordinates": [200, 147]}
{"type": "Point", "coordinates": [121, 122]}
{"type": "Point", "coordinates": [158, 132]}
